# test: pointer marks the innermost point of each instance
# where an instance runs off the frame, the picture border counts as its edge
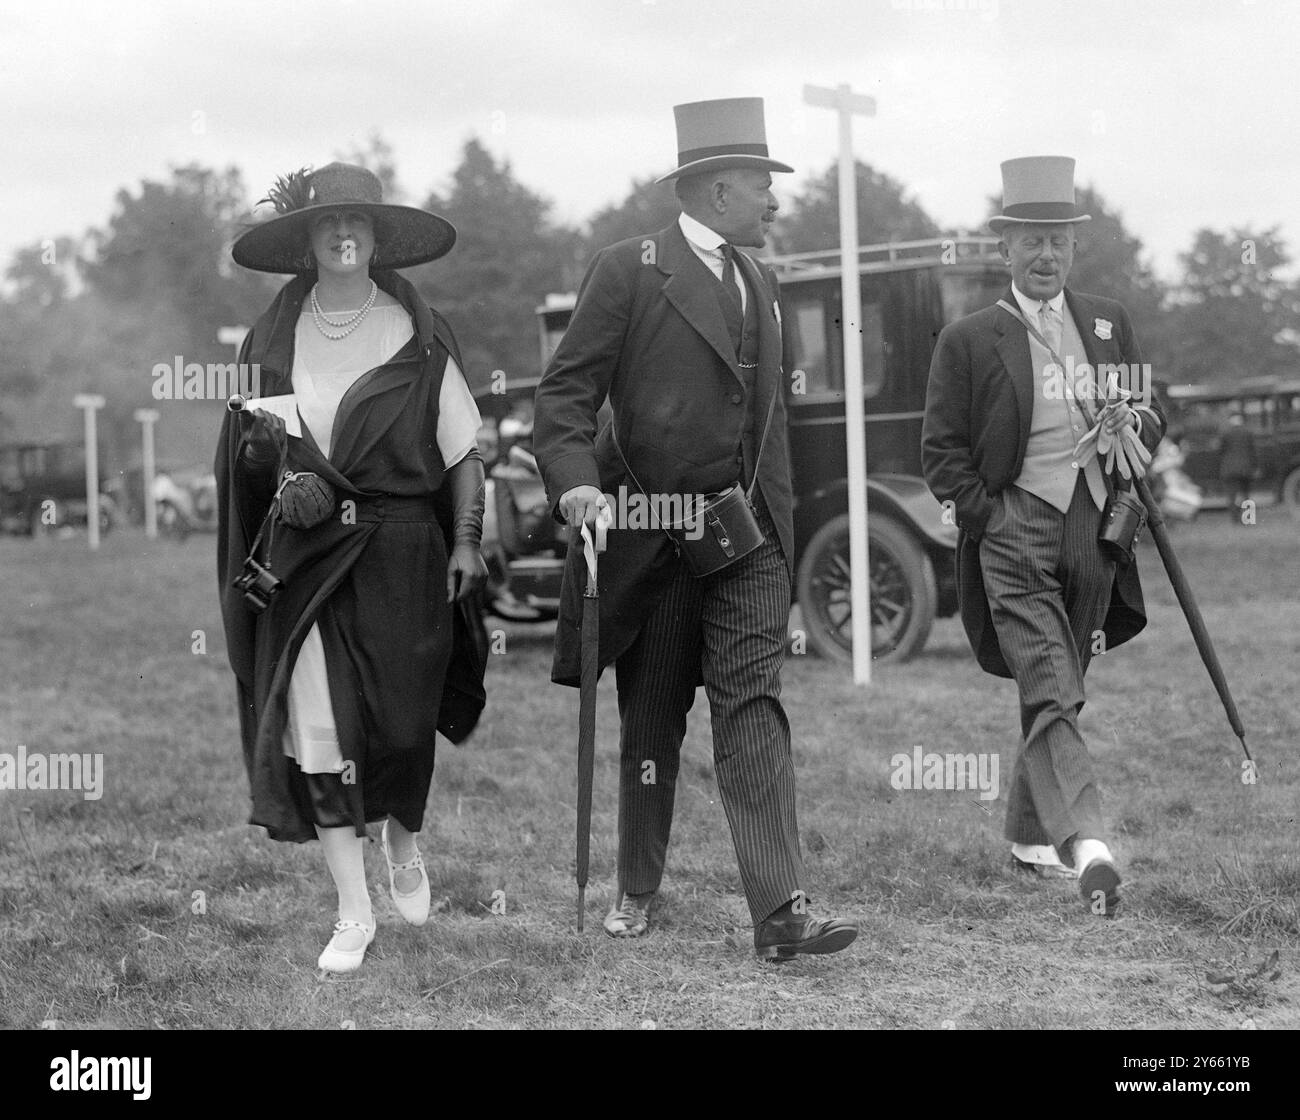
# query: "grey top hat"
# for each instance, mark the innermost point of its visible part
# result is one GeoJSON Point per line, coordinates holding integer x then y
{"type": "Point", "coordinates": [407, 236]}
{"type": "Point", "coordinates": [1038, 190]}
{"type": "Point", "coordinates": [715, 135]}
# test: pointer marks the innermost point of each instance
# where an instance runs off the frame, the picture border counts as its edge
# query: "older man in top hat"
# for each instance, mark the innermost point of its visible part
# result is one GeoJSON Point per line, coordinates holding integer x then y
{"type": "Point", "coordinates": [1014, 414]}
{"type": "Point", "coordinates": [681, 331]}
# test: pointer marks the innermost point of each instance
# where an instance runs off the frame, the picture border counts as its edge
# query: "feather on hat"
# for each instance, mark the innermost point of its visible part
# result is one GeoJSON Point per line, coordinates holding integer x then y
{"type": "Point", "coordinates": [406, 235]}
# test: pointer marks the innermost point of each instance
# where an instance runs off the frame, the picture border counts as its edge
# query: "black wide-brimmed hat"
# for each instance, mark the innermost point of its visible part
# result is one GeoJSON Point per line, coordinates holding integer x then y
{"type": "Point", "coordinates": [405, 236]}
{"type": "Point", "coordinates": [715, 135]}
{"type": "Point", "coordinates": [1038, 190]}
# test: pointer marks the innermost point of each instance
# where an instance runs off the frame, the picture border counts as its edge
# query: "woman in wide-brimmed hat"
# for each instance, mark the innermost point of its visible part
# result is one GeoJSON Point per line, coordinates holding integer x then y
{"type": "Point", "coordinates": [356, 481]}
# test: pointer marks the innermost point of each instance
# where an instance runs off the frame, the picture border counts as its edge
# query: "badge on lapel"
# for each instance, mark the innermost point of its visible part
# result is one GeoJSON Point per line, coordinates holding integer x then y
{"type": "Point", "coordinates": [1101, 328]}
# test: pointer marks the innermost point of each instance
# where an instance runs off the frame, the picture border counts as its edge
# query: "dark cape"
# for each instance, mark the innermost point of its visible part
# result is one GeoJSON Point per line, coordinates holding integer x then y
{"type": "Point", "coordinates": [401, 661]}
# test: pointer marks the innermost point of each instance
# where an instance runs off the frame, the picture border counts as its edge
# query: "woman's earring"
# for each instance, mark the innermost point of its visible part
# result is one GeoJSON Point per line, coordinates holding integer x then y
{"type": "Point", "coordinates": [374, 257]}
{"type": "Point", "coordinates": [308, 262]}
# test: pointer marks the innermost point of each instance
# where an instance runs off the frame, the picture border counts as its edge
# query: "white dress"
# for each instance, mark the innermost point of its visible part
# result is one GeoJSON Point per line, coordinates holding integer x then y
{"type": "Point", "coordinates": [323, 371]}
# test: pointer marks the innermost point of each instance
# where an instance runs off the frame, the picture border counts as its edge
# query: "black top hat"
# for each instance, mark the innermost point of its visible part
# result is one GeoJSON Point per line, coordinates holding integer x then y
{"type": "Point", "coordinates": [714, 135]}
{"type": "Point", "coordinates": [406, 235]}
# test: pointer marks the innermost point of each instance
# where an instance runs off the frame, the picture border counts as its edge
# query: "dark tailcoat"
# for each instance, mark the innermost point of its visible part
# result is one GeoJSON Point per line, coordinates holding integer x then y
{"type": "Point", "coordinates": [648, 331]}
{"type": "Point", "coordinates": [377, 587]}
{"type": "Point", "coordinates": [979, 406]}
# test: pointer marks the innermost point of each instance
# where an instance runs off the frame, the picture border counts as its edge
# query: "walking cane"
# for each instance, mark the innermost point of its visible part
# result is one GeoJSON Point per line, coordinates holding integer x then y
{"type": "Point", "coordinates": [587, 702]}
{"type": "Point", "coordinates": [1192, 612]}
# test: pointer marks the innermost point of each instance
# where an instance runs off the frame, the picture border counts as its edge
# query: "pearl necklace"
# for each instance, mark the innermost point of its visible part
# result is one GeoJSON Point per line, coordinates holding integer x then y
{"type": "Point", "coordinates": [349, 324]}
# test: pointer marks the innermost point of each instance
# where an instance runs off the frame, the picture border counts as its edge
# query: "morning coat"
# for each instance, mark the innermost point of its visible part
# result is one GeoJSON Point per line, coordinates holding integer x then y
{"type": "Point", "coordinates": [648, 331]}
{"type": "Point", "coordinates": [979, 406]}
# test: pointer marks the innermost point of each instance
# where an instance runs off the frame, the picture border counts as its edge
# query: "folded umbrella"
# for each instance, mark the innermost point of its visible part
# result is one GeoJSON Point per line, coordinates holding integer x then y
{"type": "Point", "coordinates": [1192, 612]}
{"type": "Point", "coordinates": [592, 545]}
{"type": "Point", "coordinates": [1125, 451]}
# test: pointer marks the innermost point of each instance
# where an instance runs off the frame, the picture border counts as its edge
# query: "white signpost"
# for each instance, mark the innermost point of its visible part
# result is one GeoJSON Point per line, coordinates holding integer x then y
{"type": "Point", "coordinates": [232, 336]}
{"type": "Point", "coordinates": [91, 402]}
{"type": "Point", "coordinates": [147, 417]}
{"type": "Point", "coordinates": [846, 103]}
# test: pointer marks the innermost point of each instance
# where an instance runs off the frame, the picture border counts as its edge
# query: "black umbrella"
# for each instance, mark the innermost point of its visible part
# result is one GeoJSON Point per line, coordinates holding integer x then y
{"type": "Point", "coordinates": [587, 706]}
{"type": "Point", "coordinates": [1160, 534]}
{"type": "Point", "coordinates": [1200, 632]}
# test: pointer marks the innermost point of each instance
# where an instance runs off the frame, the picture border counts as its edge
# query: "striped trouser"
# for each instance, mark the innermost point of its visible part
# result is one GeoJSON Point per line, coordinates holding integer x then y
{"type": "Point", "coordinates": [1048, 586]}
{"type": "Point", "coordinates": [733, 626]}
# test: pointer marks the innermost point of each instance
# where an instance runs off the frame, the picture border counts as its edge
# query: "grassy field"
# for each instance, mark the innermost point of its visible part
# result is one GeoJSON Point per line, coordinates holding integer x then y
{"type": "Point", "coordinates": [101, 926]}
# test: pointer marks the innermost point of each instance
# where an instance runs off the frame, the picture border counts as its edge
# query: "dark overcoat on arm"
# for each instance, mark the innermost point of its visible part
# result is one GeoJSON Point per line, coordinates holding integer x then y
{"type": "Point", "coordinates": [979, 406]}
{"type": "Point", "coordinates": [648, 332]}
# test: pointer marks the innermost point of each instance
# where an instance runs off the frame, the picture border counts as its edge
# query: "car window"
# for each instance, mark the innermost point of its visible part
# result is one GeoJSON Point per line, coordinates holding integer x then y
{"type": "Point", "coordinates": [873, 349]}
{"type": "Point", "coordinates": [967, 292]}
{"type": "Point", "coordinates": [818, 344]}
{"type": "Point", "coordinates": [807, 321]}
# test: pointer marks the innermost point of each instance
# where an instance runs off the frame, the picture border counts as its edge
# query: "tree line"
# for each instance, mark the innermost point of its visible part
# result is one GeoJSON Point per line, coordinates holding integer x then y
{"type": "Point", "coordinates": [98, 312]}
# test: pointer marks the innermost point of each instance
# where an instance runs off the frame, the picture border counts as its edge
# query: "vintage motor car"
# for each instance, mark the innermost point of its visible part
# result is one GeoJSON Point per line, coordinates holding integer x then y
{"type": "Point", "coordinates": [43, 488]}
{"type": "Point", "coordinates": [909, 291]}
{"type": "Point", "coordinates": [1270, 408]}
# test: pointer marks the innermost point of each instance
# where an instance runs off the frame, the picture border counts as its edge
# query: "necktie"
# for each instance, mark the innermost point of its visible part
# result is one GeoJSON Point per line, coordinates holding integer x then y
{"type": "Point", "coordinates": [729, 288]}
{"type": "Point", "coordinates": [1050, 324]}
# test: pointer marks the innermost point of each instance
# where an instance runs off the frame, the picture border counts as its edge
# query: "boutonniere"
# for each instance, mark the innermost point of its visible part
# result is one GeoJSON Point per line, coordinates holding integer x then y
{"type": "Point", "coordinates": [1101, 328]}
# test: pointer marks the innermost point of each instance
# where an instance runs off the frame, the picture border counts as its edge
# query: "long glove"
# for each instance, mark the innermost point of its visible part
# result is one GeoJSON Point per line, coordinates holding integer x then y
{"type": "Point", "coordinates": [466, 572]}
{"type": "Point", "coordinates": [1122, 450]}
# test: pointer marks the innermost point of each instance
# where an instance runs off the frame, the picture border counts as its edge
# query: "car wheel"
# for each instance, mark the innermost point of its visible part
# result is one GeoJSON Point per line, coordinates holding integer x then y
{"type": "Point", "coordinates": [903, 593]}
{"type": "Point", "coordinates": [1291, 492]}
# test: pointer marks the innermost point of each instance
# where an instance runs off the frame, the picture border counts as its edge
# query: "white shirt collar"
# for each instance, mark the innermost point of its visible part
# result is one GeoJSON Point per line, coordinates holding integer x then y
{"type": "Point", "coordinates": [699, 235]}
{"type": "Point", "coordinates": [1030, 306]}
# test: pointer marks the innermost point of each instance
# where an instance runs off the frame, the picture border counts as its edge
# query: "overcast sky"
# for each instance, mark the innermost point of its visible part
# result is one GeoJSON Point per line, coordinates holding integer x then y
{"type": "Point", "coordinates": [1182, 114]}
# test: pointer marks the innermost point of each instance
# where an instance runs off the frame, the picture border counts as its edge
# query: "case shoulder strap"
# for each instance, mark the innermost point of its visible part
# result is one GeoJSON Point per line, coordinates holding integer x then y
{"type": "Point", "coordinates": [749, 493]}
{"type": "Point", "coordinates": [1037, 335]}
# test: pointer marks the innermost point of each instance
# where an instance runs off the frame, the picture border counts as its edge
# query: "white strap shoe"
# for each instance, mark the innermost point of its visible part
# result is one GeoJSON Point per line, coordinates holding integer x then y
{"type": "Point", "coordinates": [337, 959]}
{"type": "Point", "coordinates": [413, 906]}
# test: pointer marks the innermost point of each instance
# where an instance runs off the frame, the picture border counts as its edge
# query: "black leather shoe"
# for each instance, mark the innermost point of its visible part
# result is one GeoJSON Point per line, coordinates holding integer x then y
{"type": "Point", "coordinates": [1098, 880]}
{"type": "Point", "coordinates": [1099, 885]}
{"type": "Point", "coordinates": [785, 937]}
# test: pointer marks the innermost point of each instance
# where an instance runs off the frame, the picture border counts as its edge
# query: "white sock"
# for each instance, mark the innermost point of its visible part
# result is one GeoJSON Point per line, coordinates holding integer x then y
{"type": "Point", "coordinates": [345, 857]}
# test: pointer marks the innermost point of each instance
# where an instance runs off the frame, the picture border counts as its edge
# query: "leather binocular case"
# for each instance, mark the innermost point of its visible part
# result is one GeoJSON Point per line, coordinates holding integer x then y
{"type": "Point", "coordinates": [716, 531]}
{"type": "Point", "coordinates": [1122, 522]}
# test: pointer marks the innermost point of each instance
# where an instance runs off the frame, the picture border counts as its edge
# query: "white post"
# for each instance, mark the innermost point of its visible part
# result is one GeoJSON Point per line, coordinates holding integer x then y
{"type": "Point", "coordinates": [147, 417]}
{"type": "Point", "coordinates": [91, 402]}
{"type": "Point", "coordinates": [846, 103]}
{"type": "Point", "coordinates": [232, 336]}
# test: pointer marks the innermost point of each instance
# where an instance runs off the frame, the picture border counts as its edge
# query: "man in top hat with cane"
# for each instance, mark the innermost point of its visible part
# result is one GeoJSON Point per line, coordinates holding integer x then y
{"type": "Point", "coordinates": [1015, 415]}
{"type": "Point", "coordinates": [681, 331]}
